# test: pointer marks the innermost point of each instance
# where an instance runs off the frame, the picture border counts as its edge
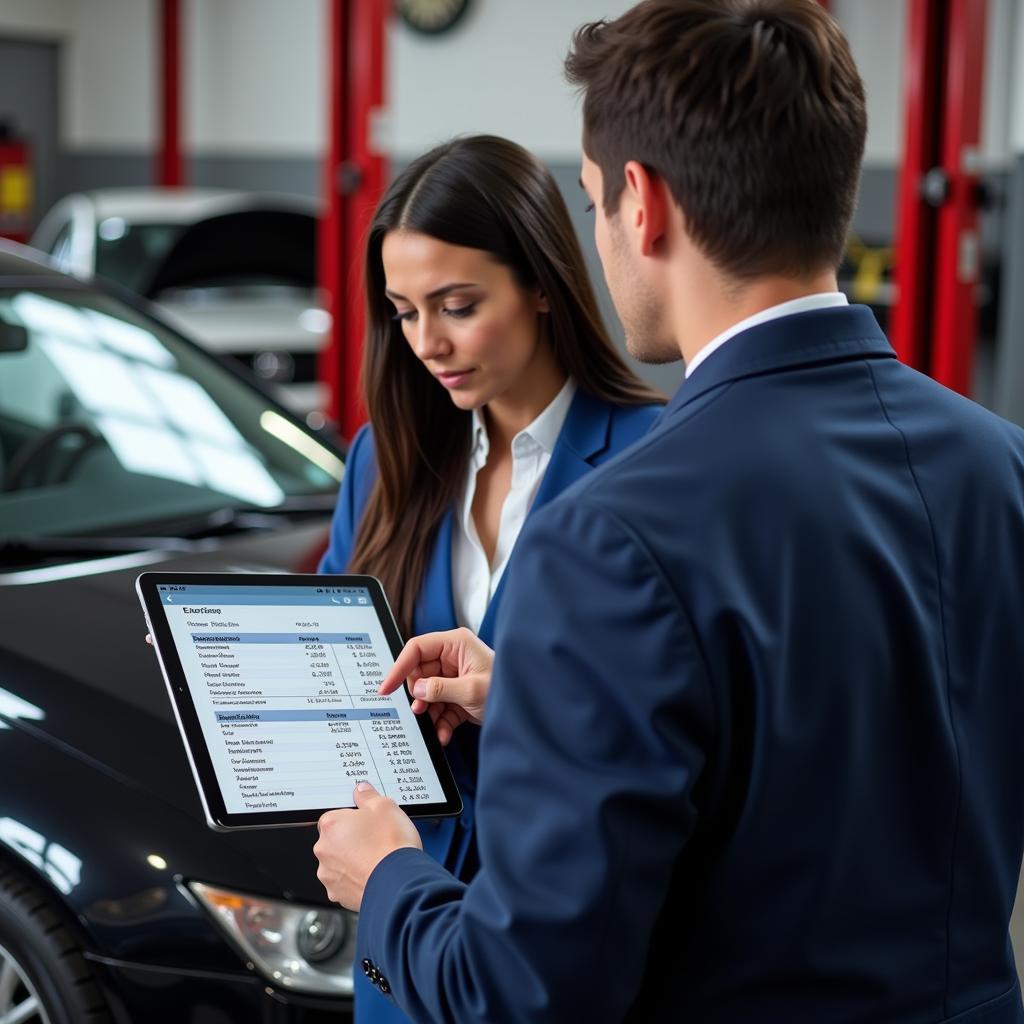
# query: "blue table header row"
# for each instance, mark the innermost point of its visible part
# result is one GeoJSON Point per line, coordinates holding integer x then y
{"type": "Point", "coordinates": [281, 638]}
{"type": "Point", "coordinates": [320, 715]}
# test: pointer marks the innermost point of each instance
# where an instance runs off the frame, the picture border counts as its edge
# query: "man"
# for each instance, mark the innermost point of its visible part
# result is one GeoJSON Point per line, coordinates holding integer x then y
{"type": "Point", "coordinates": [751, 751]}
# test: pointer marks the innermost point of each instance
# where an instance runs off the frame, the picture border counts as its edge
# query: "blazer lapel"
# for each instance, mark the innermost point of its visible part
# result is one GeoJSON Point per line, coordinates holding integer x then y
{"type": "Point", "coordinates": [584, 436]}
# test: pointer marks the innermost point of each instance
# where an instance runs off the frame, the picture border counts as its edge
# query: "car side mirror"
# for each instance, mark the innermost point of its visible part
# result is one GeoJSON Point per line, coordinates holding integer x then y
{"type": "Point", "coordinates": [13, 337]}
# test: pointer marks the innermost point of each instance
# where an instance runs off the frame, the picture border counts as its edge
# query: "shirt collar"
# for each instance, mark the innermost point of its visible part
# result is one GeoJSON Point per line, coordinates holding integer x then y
{"type": "Point", "coordinates": [806, 303]}
{"type": "Point", "coordinates": [544, 430]}
{"type": "Point", "coordinates": [481, 445]}
{"type": "Point", "coordinates": [548, 425]}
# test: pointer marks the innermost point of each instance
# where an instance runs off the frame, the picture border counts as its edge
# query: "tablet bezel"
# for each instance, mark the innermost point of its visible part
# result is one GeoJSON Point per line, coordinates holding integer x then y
{"type": "Point", "coordinates": [187, 717]}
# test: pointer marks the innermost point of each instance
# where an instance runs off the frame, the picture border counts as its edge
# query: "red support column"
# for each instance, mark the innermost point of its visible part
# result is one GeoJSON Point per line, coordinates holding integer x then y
{"type": "Point", "coordinates": [170, 165]}
{"type": "Point", "coordinates": [910, 326]}
{"type": "Point", "coordinates": [938, 252]}
{"type": "Point", "coordinates": [355, 174]}
{"type": "Point", "coordinates": [331, 229]}
{"type": "Point", "coordinates": [958, 249]}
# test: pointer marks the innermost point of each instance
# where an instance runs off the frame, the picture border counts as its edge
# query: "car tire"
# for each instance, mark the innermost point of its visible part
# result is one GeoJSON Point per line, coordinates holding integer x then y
{"type": "Point", "coordinates": [41, 959]}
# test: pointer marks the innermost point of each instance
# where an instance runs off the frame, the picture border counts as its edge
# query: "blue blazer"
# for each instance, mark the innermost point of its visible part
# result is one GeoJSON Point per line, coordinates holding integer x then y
{"type": "Point", "coordinates": [593, 432]}
{"type": "Point", "coordinates": [753, 747]}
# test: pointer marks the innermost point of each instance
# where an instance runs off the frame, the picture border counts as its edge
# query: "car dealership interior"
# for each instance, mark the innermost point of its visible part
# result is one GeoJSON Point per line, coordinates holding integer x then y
{"type": "Point", "coordinates": [188, 193]}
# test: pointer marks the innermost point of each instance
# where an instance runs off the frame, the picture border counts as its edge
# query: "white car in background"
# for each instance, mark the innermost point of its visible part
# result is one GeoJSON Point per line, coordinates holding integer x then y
{"type": "Point", "coordinates": [235, 270]}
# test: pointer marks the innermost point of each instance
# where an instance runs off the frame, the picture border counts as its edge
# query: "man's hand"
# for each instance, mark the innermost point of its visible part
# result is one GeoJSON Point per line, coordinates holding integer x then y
{"type": "Point", "coordinates": [354, 841]}
{"type": "Point", "coordinates": [449, 674]}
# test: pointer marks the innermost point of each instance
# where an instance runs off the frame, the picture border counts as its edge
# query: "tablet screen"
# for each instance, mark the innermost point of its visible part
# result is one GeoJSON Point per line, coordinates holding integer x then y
{"type": "Point", "coordinates": [284, 682]}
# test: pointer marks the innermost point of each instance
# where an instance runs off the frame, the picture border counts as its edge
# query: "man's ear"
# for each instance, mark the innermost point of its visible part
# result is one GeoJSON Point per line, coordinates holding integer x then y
{"type": "Point", "coordinates": [647, 211]}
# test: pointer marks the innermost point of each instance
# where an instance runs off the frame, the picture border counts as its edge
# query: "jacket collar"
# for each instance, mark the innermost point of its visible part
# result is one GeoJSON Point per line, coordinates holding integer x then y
{"type": "Point", "coordinates": [586, 428]}
{"type": "Point", "coordinates": [818, 336]}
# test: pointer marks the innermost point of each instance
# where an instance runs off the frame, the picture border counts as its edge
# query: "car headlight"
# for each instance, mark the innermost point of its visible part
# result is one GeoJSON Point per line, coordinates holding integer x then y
{"type": "Point", "coordinates": [296, 946]}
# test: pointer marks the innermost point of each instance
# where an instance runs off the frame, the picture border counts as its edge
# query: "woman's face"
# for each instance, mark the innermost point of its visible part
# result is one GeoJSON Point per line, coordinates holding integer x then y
{"type": "Point", "coordinates": [465, 317]}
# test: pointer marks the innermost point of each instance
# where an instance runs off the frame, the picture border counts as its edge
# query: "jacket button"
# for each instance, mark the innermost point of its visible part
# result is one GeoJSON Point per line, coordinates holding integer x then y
{"type": "Point", "coordinates": [367, 967]}
{"type": "Point", "coordinates": [384, 986]}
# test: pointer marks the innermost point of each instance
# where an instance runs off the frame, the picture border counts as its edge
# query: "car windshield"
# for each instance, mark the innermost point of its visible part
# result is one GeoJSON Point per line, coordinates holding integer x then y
{"type": "Point", "coordinates": [129, 253]}
{"type": "Point", "coordinates": [112, 424]}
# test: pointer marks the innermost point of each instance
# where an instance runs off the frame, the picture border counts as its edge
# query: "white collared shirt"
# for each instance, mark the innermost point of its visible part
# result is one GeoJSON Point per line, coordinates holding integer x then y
{"type": "Point", "coordinates": [823, 300]}
{"type": "Point", "coordinates": [474, 581]}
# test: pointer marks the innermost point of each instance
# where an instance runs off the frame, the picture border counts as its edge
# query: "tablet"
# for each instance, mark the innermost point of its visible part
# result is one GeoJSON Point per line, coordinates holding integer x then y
{"type": "Point", "coordinates": [273, 680]}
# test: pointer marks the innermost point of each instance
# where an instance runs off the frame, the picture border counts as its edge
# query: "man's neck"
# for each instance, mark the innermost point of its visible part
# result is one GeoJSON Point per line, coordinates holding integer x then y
{"type": "Point", "coordinates": [702, 313]}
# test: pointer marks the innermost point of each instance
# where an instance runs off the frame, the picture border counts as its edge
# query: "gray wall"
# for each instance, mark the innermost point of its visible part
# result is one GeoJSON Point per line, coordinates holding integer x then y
{"type": "Point", "coordinates": [1008, 391]}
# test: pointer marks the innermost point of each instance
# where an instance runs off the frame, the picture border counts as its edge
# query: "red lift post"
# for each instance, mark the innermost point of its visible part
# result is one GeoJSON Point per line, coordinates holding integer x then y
{"type": "Point", "coordinates": [938, 250]}
{"type": "Point", "coordinates": [170, 164]}
{"type": "Point", "coordinates": [355, 174]}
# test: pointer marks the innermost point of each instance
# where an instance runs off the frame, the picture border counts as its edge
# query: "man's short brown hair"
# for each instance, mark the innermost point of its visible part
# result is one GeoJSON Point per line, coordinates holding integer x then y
{"type": "Point", "coordinates": [753, 113]}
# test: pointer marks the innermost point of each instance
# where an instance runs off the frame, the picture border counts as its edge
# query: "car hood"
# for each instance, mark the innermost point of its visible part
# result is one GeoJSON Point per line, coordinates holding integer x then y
{"type": "Point", "coordinates": [235, 245]}
{"type": "Point", "coordinates": [241, 325]}
{"type": "Point", "coordinates": [76, 672]}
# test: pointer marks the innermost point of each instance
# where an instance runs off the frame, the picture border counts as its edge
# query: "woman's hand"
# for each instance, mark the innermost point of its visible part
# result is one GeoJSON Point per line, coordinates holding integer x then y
{"type": "Point", "coordinates": [449, 674]}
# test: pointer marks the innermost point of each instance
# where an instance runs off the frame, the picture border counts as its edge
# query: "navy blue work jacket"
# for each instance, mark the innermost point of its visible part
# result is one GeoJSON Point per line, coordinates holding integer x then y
{"type": "Point", "coordinates": [752, 751]}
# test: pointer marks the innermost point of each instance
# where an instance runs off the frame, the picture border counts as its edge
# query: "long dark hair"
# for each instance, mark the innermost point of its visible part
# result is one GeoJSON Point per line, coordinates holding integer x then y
{"type": "Point", "coordinates": [479, 192]}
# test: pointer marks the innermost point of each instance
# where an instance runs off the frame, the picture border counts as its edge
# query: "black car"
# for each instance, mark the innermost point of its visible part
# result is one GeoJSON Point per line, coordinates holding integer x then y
{"type": "Point", "coordinates": [123, 447]}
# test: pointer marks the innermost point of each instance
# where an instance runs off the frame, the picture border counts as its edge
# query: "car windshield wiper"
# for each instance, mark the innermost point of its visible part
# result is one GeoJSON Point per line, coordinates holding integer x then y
{"type": "Point", "coordinates": [235, 518]}
{"type": "Point", "coordinates": [169, 535]}
{"type": "Point", "coordinates": [21, 551]}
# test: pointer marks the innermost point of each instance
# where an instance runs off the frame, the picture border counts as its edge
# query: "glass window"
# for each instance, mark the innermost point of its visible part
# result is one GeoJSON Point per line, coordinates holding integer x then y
{"type": "Point", "coordinates": [110, 423]}
{"type": "Point", "coordinates": [130, 253]}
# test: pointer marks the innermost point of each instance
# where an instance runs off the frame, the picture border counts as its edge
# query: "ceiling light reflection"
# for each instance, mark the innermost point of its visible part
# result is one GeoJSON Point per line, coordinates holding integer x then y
{"type": "Point", "coordinates": [185, 404]}
{"type": "Point", "coordinates": [129, 339]}
{"type": "Point", "coordinates": [111, 229]}
{"type": "Point", "coordinates": [102, 381]}
{"type": "Point", "coordinates": [237, 472]}
{"type": "Point", "coordinates": [285, 431]}
{"type": "Point", "coordinates": [150, 449]}
{"type": "Point", "coordinates": [48, 317]}
{"type": "Point", "coordinates": [62, 867]}
{"type": "Point", "coordinates": [12, 706]}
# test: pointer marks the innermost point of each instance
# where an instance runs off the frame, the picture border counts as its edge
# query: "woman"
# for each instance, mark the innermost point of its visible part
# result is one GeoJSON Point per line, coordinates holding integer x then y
{"type": "Point", "coordinates": [491, 386]}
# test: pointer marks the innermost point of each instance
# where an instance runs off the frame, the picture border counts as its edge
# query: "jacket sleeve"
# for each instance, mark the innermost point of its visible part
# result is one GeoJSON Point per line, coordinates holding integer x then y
{"type": "Point", "coordinates": [599, 718]}
{"type": "Point", "coordinates": [351, 498]}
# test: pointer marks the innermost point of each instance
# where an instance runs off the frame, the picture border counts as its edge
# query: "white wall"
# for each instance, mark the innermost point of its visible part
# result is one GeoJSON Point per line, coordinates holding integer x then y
{"type": "Point", "coordinates": [1001, 69]}
{"type": "Point", "coordinates": [256, 80]}
{"type": "Point", "coordinates": [255, 74]}
{"type": "Point", "coordinates": [1016, 105]}
{"type": "Point", "coordinates": [499, 71]}
{"type": "Point", "coordinates": [109, 76]}
{"type": "Point", "coordinates": [877, 30]}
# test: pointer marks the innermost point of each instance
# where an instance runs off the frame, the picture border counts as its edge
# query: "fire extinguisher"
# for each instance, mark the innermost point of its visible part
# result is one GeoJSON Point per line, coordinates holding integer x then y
{"type": "Point", "coordinates": [15, 185]}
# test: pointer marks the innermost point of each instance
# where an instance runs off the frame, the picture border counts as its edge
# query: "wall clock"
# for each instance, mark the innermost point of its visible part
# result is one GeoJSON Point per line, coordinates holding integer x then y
{"type": "Point", "coordinates": [432, 16]}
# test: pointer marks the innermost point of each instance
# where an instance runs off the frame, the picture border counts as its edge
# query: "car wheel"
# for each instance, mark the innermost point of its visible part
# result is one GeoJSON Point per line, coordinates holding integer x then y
{"type": "Point", "coordinates": [44, 979]}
